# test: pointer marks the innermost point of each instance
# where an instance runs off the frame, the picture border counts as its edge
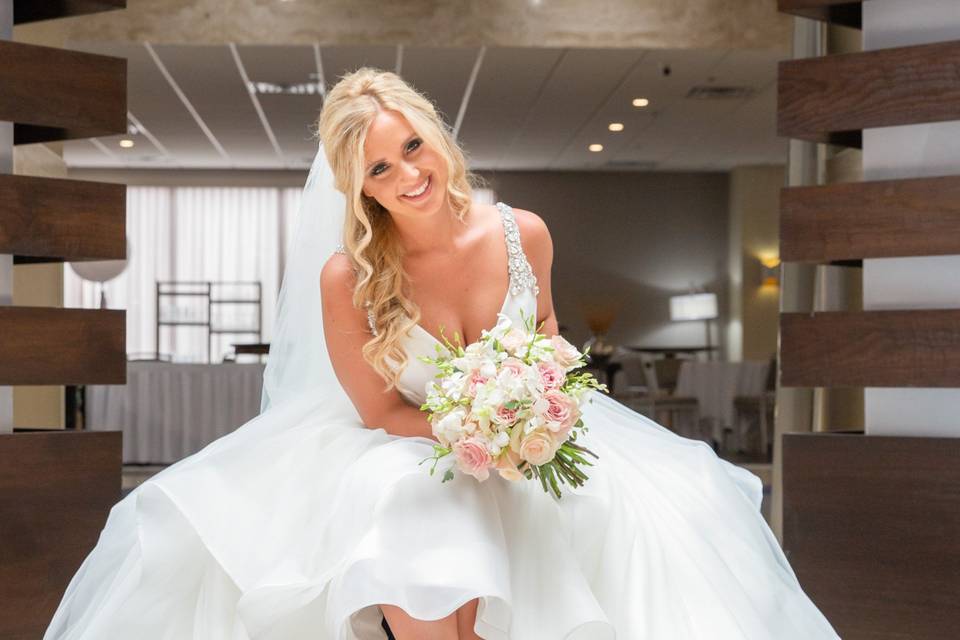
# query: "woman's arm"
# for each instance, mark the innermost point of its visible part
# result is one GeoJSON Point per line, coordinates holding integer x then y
{"type": "Point", "coordinates": [346, 330]}
{"type": "Point", "coordinates": [538, 247]}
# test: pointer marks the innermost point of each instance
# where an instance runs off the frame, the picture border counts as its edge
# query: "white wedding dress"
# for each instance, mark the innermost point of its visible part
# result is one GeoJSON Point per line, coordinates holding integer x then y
{"type": "Point", "coordinates": [295, 528]}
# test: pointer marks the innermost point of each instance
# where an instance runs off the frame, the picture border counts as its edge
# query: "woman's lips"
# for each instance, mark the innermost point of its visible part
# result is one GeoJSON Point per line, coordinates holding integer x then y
{"type": "Point", "coordinates": [423, 195]}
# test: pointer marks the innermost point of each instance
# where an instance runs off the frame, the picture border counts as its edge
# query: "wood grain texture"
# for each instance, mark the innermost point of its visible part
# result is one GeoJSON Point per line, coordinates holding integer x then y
{"type": "Point", "coordinates": [881, 219]}
{"type": "Point", "coordinates": [843, 12]}
{"type": "Point", "coordinates": [62, 219]}
{"type": "Point", "coordinates": [914, 348]}
{"type": "Point", "coordinates": [56, 490]}
{"type": "Point", "coordinates": [31, 10]}
{"type": "Point", "coordinates": [833, 98]}
{"type": "Point", "coordinates": [870, 525]}
{"type": "Point", "coordinates": [40, 345]}
{"type": "Point", "coordinates": [54, 94]}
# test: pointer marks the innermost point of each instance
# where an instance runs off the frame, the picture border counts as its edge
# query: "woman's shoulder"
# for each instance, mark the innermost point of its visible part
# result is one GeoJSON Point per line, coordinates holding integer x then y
{"type": "Point", "coordinates": [534, 233]}
{"type": "Point", "coordinates": [337, 275]}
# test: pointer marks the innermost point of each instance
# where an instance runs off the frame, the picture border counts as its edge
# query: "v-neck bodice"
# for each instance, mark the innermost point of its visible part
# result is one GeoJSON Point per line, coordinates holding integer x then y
{"type": "Point", "coordinates": [520, 301]}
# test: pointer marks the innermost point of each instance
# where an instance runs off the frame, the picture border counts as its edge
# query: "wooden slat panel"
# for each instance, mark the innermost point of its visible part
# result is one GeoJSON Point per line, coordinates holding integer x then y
{"type": "Point", "coordinates": [844, 12]}
{"type": "Point", "coordinates": [833, 98]}
{"type": "Point", "coordinates": [63, 219]}
{"type": "Point", "coordinates": [879, 219]}
{"type": "Point", "coordinates": [870, 525]}
{"type": "Point", "coordinates": [915, 348]}
{"type": "Point", "coordinates": [56, 489]}
{"type": "Point", "coordinates": [33, 10]}
{"type": "Point", "coordinates": [53, 94]}
{"type": "Point", "coordinates": [41, 345]}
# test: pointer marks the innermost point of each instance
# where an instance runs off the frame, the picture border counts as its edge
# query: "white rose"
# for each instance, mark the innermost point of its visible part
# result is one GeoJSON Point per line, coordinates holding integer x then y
{"type": "Point", "coordinates": [564, 353]}
{"type": "Point", "coordinates": [450, 427]}
{"type": "Point", "coordinates": [513, 340]}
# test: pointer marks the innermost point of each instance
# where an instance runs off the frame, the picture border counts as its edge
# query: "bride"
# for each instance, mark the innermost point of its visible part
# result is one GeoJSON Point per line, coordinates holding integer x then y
{"type": "Point", "coordinates": [315, 521]}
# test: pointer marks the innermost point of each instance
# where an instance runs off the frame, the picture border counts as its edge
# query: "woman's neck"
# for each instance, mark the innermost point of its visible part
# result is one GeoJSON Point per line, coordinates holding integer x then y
{"type": "Point", "coordinates": [437, 233]}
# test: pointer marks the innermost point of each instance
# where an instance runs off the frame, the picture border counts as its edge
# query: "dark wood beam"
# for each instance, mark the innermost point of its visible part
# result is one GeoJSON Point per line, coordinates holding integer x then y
{"type": "Point", "coordinates": [44, 218]}
{"type": "Point", "coordinates": [914, 348]}
{"type": "Point", "coordinates": [870, 525]}
{"type": "Point", "coordinates": [833, 98]}
{"type": "Point", "coordinates": [56, 489]}
{"type": "Point", "coordinates": [881, 219]}
{"type": "Point", "coordinates": [40, 345]}
{"type": "Point", "coordinates": [842, 12]}
{"type": "Point", "coordinates": [55, 94]}
{"type": "Point", "coordinates": [31, 10]}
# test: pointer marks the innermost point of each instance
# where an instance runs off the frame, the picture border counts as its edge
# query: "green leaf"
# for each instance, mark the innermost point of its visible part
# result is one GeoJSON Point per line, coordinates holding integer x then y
{"type": "Point", "coordinates": [448, 475]}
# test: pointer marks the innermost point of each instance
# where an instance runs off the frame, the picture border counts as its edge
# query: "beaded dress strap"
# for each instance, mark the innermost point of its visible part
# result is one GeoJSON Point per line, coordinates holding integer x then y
{"type": "Point", "coordinates": [370, 319]}
{"type": "Point", "coordinates": [521, 274]}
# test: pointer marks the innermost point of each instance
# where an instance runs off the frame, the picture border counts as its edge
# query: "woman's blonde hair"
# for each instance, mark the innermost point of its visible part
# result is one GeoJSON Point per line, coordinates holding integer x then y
{"type": "Point", "coordinates": [368, 236]}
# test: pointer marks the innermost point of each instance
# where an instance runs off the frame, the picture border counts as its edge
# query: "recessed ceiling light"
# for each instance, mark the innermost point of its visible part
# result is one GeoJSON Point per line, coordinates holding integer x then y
{"type": "Point", "coordinates": [615, 126]}
{"type": "Point", "coordinates": [640, 102]}
{"type": "Point", "coordinates": [595, 147]}
{"type": "Point", "coordinates": [126, 143]}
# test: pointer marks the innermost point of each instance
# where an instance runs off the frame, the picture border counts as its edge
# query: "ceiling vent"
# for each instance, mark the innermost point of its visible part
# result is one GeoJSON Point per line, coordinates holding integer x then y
{"type": "Point", "coordinates": [719, 93]}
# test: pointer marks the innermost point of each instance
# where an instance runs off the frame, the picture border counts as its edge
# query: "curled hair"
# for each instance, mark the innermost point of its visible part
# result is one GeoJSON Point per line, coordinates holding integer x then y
{"type": "Point", "coordinates": [369, 239]}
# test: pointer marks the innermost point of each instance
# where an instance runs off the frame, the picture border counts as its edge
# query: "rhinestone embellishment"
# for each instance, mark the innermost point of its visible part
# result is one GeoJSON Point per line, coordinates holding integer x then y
{"type": "Point", "coordinates": [521, 275]}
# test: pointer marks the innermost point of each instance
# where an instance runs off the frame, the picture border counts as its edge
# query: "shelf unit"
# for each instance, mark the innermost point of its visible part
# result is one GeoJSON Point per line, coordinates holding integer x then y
{"type": "Point", "coordinates": [208, 290]}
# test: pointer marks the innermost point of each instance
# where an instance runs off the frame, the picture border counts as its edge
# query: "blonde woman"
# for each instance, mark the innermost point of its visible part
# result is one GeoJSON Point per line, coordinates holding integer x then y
{"type": "Point", "coordinates": [314, 521]}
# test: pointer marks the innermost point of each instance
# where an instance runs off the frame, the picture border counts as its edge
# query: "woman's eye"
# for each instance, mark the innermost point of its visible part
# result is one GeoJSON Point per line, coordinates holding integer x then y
{"type": "Point", "coordinates": [411, 146]}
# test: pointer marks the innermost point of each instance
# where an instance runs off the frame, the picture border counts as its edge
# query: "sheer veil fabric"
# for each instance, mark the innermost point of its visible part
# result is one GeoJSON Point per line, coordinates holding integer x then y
{"type": "Point", "coordinates": [299, 361]}
{"type": "Point", "coordinates": [299, 523]}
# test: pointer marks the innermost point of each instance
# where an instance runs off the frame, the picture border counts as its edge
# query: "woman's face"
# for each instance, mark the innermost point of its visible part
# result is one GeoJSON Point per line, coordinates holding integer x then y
{"type": "Point", "coordinates": [401, 172]}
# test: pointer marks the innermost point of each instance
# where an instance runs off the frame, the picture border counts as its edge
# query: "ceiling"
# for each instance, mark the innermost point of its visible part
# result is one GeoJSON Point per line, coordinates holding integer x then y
{"type": "Point", "coordinates": [527, 108]}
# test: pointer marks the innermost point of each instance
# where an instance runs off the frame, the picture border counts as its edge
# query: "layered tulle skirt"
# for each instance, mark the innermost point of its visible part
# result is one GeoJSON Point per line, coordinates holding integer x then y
{"type": "Point", "coordinates": [299, 524]}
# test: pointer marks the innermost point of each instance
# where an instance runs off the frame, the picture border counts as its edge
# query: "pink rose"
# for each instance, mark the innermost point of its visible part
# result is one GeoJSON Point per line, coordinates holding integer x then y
{"type": "Point", "coordinates": [475, 380]}
{"type": "Point", "coordinates": [514, 365]}
{"type": "Point", "coordinates": [564, 353]}
{"type": "Point", "coordinates": [537, 448]}
{"type": "Point", "coordinates": [507, 466]}
{"type": "Point", "coordinates": [562, 411]}
{"type": "Point", "coordinates": [552, 375]}
{"type": "Point", "coordinates": [473, 457]}
{"type": "Point", "coordinates": [505, 415]}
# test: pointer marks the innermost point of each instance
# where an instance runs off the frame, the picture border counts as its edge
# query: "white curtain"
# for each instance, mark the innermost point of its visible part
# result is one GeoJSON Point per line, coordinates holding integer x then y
{"type": "Point", "coordinates": [219, 234]}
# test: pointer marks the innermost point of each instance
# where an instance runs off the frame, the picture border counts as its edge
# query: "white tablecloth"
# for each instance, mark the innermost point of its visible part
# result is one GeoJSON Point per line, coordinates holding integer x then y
{"type": "Point", "coordinates": [169, 411]}
{"type": "Point", "coordinates": [714, 384]}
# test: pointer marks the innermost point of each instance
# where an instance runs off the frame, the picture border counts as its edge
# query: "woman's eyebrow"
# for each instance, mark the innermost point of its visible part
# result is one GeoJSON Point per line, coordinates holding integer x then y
{"type": "Point", "coordinates": [405, 143]}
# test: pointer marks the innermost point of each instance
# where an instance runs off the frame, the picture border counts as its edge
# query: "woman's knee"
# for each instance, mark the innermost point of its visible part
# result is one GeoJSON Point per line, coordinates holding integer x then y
{"type": "Point", "coordinates": [466, 619]}
{"type": "Point", "coordinates": [405, 627]}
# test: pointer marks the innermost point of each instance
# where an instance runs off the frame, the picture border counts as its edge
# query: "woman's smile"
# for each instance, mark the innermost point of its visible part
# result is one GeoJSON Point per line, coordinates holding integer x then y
{"type": "Point", "coordinates": [420, 193]}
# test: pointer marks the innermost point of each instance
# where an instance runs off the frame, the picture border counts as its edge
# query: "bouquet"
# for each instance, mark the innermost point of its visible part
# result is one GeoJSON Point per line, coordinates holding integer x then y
{"type": "Point", "coordinates": [511, 402]}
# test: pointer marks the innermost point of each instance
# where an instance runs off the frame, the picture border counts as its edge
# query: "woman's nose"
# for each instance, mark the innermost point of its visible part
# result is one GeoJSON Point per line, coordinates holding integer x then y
{"type": "Point", "coordinates": [409, 170]}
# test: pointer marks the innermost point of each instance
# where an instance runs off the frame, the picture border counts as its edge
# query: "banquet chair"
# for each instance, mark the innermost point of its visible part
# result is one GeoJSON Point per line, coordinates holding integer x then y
{"type": "Point", "coordinates": [757, 412]}
{"type": "Point", "coordinates": [644, 394]}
